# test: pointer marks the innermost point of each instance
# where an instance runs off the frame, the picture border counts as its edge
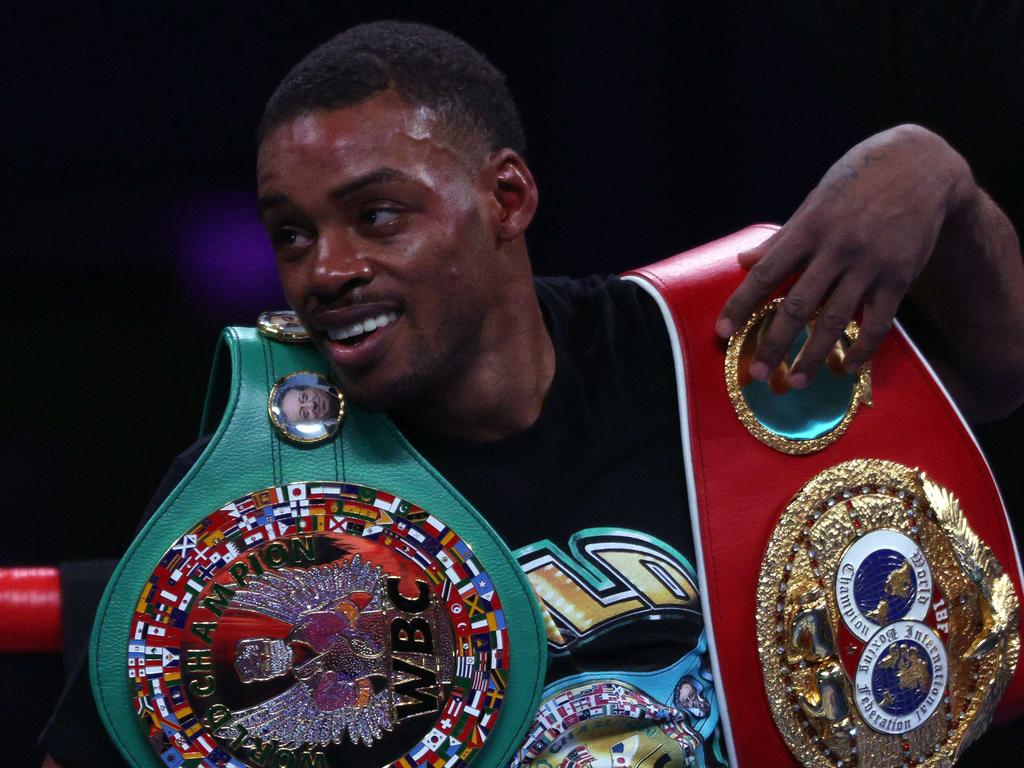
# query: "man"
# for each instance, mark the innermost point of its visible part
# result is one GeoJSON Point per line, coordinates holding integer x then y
{"type": "Point", "coordinates": [392, 184]}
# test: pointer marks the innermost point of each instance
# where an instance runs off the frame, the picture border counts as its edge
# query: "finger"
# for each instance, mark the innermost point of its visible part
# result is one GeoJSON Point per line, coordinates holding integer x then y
{"type": "Point", "coordinates": [879, 311]}
{"type": "Point", "coordinates": [836, 358]}
{"type": "Point", "coordinates": [748, 259]}
{"type": "Point", "coordinates": [778, 382]}
{"type": "Point", "coordinates": [828, 328]}
{"type": "Point", "coordinates": [778, 261]}
{"type": "Point", "coordinates": [743, 370]}
{"type": "Point", "coordinates": [790, 317]}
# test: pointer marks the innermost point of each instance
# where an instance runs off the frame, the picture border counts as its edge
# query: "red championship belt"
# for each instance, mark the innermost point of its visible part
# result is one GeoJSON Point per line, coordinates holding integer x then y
{"type": "Point", "coordinates": [860, 587]}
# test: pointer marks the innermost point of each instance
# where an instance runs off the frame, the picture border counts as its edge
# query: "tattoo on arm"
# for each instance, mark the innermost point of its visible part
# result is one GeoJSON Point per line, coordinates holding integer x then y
{"type": "Point", "coordinates": [851, 172]}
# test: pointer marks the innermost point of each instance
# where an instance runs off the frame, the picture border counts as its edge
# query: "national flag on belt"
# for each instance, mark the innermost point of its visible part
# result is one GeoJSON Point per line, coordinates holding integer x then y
{"type": "Point", "coordinates": [431, 546]}
{"type": "Point", "coordinates": [252, 538]}
{"type": "Point", "coordinates": [178, 695]}
{"type": "Point", "coordinates": [443, 558]}
{"type": "Point", "coordinates": [203, 572]}
{"type": "Point", "coordinates": [452, 750]}
{"type": "Point", "coordinates": [469, 735]}
{"type": "Point", "coordinates": [185, 544]}
{"type": "Point", "coordinates": [161, 706]}
{"type": "Point", "coordinates": [483, 585]}
{"type": "Point", "coordinates": [268, 498]}
{"type": "Point", "coordinates": [240, 508]}
{"type": "Point", "coordinates": [424, 754]}
{"type": "Point", "coordinates": [319, 491]}
{"type": "Point", "coordinates": [247, 523]}
{"type": "Point", "coordinates": [479, 678]}
{"type": "Point", "coordinates": [454, 708]}
{"type": "Point", "coordinates": [433, 526]}
{"type": "Point", "coordinates": [465, 666]}
{"type": "Point", "coordinates": [231, 551]}
{"type": "Point", "coordinates": [297, 492]}
{"type": "Point", "coordinates": [286, 512]}
{"type": "Point", "coordinates": [336, 523]}
{"type": "Point", "coordinates": [173, 758]}
{"type": "Point", "coordinates": [462, 550]}
{"type": "Point", "coordinates": [471, 567]}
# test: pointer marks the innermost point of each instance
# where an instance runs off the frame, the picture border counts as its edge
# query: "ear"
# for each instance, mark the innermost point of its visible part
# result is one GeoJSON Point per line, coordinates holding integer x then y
{"type": "Point", "coordinates": [515, 192]}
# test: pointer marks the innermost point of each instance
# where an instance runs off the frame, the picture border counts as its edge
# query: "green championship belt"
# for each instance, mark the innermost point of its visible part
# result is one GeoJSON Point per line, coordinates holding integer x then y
{"type": "Point", "coordinates": [306, 598]}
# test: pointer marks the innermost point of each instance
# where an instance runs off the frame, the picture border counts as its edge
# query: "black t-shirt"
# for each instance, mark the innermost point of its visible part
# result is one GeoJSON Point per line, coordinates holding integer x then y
{"type": "Point", "coordinates": [592, 500]}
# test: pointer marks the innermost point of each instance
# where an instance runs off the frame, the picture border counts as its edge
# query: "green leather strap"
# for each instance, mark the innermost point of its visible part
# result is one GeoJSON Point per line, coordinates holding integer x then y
{"type": "Point", "coordinates": [245, 454]}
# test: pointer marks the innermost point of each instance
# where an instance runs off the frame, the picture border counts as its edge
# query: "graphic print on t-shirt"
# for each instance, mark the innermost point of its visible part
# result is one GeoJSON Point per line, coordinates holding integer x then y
{"type": "Point", "coordinates": [630, 681]}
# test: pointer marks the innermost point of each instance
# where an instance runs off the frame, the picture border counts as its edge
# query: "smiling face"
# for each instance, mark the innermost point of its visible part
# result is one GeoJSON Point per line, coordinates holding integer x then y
{"type": "Point", "coordinates": [383, 231]}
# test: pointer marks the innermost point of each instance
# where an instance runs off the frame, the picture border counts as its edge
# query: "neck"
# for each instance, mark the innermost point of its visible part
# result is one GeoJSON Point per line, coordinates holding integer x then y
{"type": "Point", "coordinates": [500, 390]}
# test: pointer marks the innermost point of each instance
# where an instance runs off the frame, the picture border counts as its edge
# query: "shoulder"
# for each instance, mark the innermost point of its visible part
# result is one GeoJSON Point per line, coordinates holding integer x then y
{"type": "Point", "coordinates": [597, 305]}
{"type": "Point", "coordinates": [604, 321]}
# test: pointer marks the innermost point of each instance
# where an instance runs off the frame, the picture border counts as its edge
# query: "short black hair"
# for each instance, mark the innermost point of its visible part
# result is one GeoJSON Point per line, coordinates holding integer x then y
{"type": "Point", "coordinates": [422, 64]}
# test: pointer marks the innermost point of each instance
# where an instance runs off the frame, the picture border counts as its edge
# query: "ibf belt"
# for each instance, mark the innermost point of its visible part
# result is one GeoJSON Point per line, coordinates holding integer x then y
{"type": "Point", "coordinates": [859, 578]}
{"type": "Point", "coordinates": [313, 593]}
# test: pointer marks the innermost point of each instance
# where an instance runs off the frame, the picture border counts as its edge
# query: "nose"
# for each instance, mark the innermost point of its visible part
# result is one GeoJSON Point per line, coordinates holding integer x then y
{"type": "Point", "coordinates": [338, 266]}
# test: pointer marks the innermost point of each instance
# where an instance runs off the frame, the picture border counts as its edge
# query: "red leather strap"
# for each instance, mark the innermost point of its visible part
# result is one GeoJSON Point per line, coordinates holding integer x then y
{"type": "Point", "coordinates": [30, 610]}
{"type": "Point", "coordinates": [740, 486]}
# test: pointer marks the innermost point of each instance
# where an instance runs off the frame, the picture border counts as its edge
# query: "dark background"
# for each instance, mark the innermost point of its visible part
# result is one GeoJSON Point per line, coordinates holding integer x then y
{"type": "Point", "coordinates": [127, 156]}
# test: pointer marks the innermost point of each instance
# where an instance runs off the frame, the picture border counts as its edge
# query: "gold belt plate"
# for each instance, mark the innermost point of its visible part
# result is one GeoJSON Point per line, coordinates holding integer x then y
{"type": "Point", "coordinates": [887, 630]}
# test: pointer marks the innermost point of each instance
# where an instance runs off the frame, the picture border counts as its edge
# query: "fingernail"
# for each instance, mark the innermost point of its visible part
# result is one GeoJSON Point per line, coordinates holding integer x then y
{"type": "Point", "coordinates": [724, 328]}
{"type": "Point", "coordinates": [758, 371]}
{"type": "Point", "coordinates": [798, 380]}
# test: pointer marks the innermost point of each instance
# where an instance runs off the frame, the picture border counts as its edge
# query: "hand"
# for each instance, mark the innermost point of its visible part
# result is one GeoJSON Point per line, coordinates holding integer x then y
{"type": "Point", "coordinates": [861, 237]}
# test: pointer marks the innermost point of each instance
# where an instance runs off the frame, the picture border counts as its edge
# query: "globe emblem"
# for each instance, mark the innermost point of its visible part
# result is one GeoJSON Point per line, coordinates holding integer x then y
{"type": "Point", "coordinates": [884, 586]}
{"type": "Point", "coordinates": [902, 678]}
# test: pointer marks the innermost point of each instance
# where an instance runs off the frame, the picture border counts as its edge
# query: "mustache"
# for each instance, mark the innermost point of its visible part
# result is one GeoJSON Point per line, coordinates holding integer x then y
{"type": "Point", "coordinates": [358, 297]}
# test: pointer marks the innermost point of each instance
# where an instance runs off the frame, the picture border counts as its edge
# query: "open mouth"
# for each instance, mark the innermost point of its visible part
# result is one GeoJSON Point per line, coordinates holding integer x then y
{"type": "Point", "coordinates": [358, 332]}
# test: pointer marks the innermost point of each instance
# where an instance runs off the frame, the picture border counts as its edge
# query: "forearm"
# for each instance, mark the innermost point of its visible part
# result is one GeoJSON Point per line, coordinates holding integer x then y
{"type": "Point", "coordinates": [972, 292]}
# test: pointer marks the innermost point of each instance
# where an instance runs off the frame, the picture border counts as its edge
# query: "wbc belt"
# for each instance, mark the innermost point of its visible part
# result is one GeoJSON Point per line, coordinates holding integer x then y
{"type": "Point", "coordinates": [313, 593]}
{"type": "Point", "coordinates": [859, 577]}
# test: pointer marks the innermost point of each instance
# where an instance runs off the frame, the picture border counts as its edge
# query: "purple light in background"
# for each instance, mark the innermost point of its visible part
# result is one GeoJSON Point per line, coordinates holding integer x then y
{"type": "Point", "coordinates": [224, 258]}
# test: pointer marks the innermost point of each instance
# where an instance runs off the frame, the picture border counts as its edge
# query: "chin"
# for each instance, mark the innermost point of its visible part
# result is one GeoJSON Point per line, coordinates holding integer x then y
{"type": "Point", "coordinates": [382, 397]}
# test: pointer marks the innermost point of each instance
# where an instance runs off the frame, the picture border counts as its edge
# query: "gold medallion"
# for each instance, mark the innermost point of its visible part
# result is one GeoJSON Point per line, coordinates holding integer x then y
{"type": "Point", "coordinates": [887, 630]}
{"type": "Point", "coordinates": [794, 421]}
{"type": "Point", "coordinates": [282, 325]}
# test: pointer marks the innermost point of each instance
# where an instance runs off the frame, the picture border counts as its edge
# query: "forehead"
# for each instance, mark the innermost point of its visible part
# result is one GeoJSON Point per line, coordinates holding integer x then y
{"type": "Point", "coordinates": [350, 141]}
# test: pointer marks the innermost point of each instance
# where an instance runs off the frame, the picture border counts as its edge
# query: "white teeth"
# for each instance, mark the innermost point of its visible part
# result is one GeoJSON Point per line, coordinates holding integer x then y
{"type": "Point", "coordinates": [364, 326]}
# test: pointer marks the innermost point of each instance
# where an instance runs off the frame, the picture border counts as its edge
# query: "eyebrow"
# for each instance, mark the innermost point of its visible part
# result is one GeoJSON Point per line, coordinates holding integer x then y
{"type": "Point", "coordinates": [268, 202]}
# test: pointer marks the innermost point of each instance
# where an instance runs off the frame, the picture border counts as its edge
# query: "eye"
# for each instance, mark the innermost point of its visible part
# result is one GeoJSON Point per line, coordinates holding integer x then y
{"type": "Point", "coordinates": [380, 218]}
{"type": "Point", "coordinates": [289, 239]}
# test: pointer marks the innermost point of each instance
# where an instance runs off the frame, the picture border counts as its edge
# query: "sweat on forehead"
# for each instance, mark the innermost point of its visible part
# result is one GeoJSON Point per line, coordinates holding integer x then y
{"type": "Point", "coordinates": [425, 66]}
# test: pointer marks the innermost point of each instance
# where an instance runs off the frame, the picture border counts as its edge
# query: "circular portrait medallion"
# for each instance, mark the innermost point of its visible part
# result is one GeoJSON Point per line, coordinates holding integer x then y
{"type": "Point", "coordinates": [282, 325]}
{"type": "Point", "coordinates": [319, 625]}
{"type": "Point", "coordinates": [886, 628]}
{"type": "Point", "coordinates": [305, 407]}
